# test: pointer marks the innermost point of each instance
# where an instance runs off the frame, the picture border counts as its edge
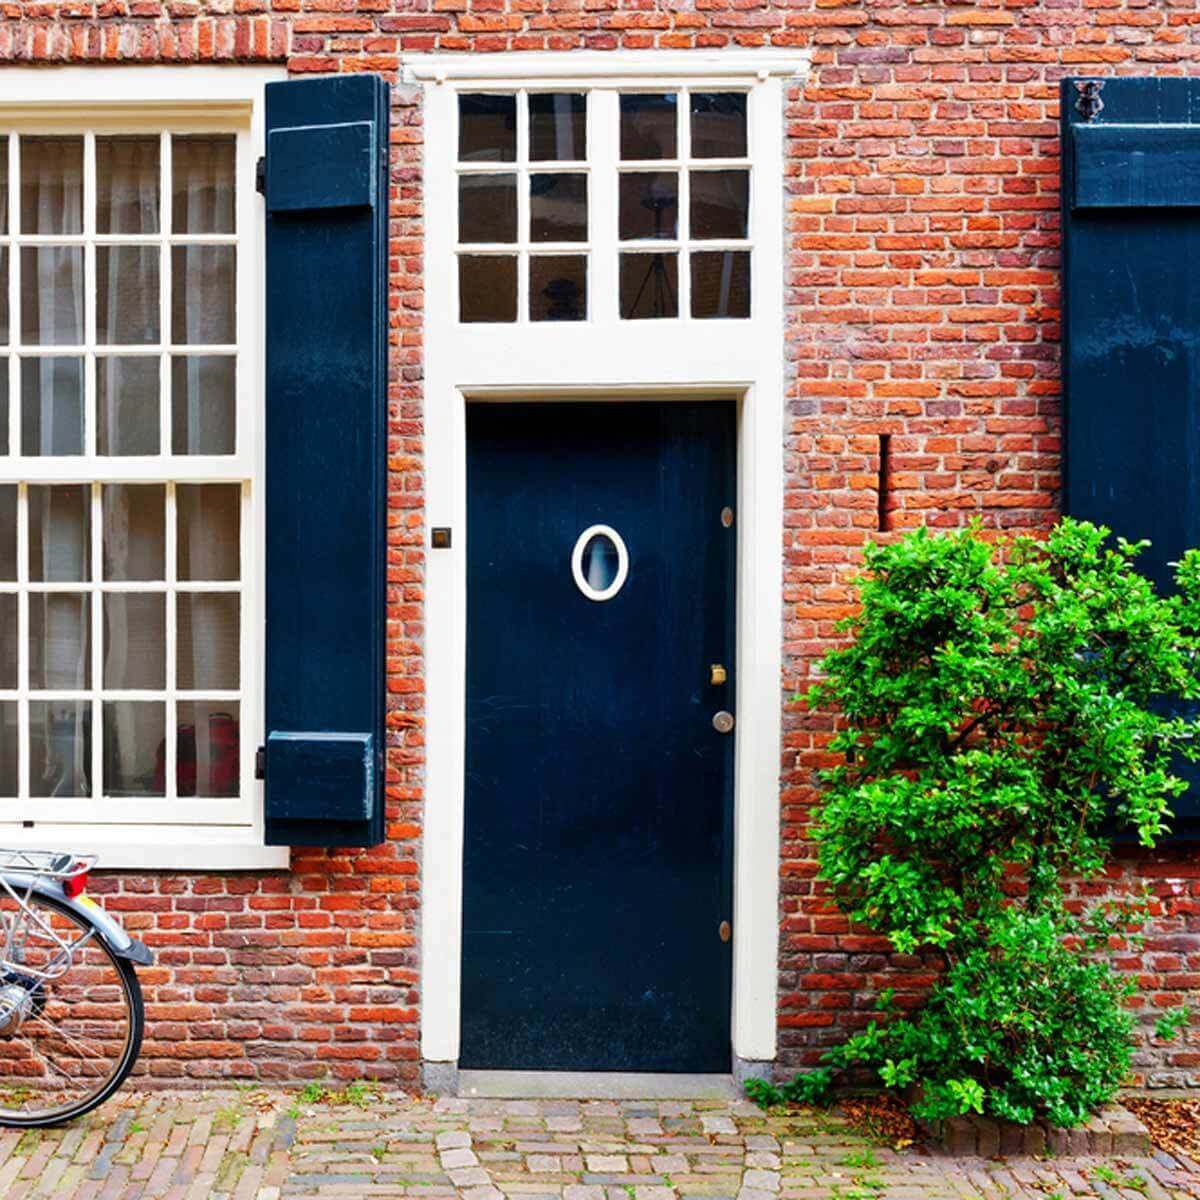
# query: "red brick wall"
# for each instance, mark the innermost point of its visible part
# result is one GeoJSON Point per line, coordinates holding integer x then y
{"type": "Point", "coordinates": [922, 302]}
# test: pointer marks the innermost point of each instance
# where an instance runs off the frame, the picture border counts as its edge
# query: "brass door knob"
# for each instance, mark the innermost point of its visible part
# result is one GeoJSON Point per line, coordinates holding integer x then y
{"type": "Point", "coordinates": [722, 721]}
{"type": "Point", "coordinates": [724, 931]}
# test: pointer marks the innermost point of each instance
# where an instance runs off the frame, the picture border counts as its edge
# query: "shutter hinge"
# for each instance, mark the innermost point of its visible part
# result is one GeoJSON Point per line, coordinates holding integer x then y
{"type": "Point", "coordinates": [1088, 103]}
{"type": "Point", "coordinates": [260, 175]}
{"type": "Point", "coordinates": [260, 763]}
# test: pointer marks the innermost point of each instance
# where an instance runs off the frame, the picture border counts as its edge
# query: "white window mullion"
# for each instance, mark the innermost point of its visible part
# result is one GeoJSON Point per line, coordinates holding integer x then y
{"type": "Point", "coordinates": [97, 643]}
{"type": "Point", "coordinates": [172, 594]}
{"type": "Point", "coordinates": [14, 294]}
{"type": "Point", "coordinates": [523, 207]}
{"type": "Point", "coordinates": [89, 298]}
{"type": "Point", "coordinates": [166, 216]}
{"type": "Point", "coordinates": [23, 749]}
{"type": "Point", "coordinates": [603, 131]}
{"type": "Point", "coordinates": [683, 141]}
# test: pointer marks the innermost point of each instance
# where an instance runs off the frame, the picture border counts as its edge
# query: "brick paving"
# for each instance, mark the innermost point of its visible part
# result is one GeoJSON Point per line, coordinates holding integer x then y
{"type": "Point", "coordinates": [254, 1144]}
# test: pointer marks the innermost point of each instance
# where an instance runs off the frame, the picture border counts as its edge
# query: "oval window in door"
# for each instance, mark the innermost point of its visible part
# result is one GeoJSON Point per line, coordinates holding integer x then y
{"type": "Point", "coordinates": [599, 562]}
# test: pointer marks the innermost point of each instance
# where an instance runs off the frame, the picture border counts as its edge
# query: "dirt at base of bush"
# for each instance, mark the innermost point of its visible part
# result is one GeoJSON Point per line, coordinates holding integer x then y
{"type": "Point", "coordinates": [1174, 1125]}
{"type": "Point", "coordinates": [883, 1117]}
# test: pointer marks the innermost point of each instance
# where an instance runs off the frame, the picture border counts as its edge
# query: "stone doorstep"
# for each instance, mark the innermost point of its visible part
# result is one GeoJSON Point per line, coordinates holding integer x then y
{"type": "Point", "coordinates": [1113, 1130]}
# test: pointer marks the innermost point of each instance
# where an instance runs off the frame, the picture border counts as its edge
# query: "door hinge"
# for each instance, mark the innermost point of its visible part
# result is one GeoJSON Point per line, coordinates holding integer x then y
{"type": "Point", "coordinates": [260, 175]}
{"type": "Point", "coordinates": [260, 763]}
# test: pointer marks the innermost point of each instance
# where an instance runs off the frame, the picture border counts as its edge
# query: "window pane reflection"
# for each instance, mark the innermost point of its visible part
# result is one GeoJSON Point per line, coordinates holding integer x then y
{"type": "Point", "coordinates": [718, 124]}
{"type": "Point", "coordinates": [487, 128]}
{"type": "Point", "coordinates": [487, 287]}
{"type": "Point", "coordinates": [60, 748]}
{"type": "Point", "coordinates": [648, 126]}
{"type": "Point", "coordinates": [649, 286]}
{"type": "Point", "coordinates": [558, 208]}
{"type": "Point", "coordinates": [649, 205]}
{"type": "Point", "coordinates": [134, 737]}
{"type": "Point", "coordinates": [721, 284]}
{"type": "Point", "coordinates": [720, 205]}
{"type": "Point", "coordinates": [557, 127]}
{"type": "Point", "coordinates": [558, 287]}
{"type": "Point", "coordinates": [207, 759]}
{"type": "Point", "coordinates": [487, 208]}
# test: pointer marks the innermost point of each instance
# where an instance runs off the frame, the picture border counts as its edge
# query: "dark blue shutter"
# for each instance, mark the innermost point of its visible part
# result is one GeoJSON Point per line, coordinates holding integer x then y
{"type": "Point", "coordinates": [1131, 320]}
{"type": "Point", "coordinates": [325, 181]}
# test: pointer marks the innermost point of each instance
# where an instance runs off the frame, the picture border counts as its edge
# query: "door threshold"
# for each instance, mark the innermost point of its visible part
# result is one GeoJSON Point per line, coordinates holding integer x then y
{"type": "Point", "coordinates": [592, 1085]}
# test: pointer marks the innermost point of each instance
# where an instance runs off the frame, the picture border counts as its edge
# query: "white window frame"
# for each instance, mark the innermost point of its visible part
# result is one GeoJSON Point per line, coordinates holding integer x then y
{"type": "Point", "coordinates": [605, 358]}
{"type": "Point", "coordinates": [196, 834]}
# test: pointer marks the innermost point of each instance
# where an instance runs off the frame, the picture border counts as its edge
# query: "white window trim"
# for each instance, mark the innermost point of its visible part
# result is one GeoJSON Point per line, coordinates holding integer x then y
{"type": "Point", "coordinates": [633, 360]}
{"type": "Point", "coordinates": [181, 98]}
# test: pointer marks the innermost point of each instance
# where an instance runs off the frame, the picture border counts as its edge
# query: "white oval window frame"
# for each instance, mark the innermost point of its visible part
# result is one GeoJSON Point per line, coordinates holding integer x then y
{"type": "Point", "coordinates": [622, 562]}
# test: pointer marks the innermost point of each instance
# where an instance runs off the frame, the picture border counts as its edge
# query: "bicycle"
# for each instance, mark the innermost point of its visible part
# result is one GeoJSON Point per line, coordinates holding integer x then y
{"type": "Point", "coordinates": [71, 1014]}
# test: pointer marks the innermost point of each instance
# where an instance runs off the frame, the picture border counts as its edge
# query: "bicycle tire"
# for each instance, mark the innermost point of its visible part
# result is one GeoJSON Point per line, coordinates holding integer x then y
{"type": "Point", "coordinates": [137, 1024]}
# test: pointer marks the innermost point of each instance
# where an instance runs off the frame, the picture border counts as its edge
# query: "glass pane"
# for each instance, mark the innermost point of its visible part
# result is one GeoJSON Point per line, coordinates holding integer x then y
{"type": "Point", "coordinates": [557, 127]}
{"type": "Point", "coordinates": [127, 178]}
{"type": "Point", "coordinates": [649, 285]}
{"type": "Point", "coordinates": [599, 562]}
{"type": "Point", "coordinates": [59, 538]}
{"type": "Point", "coordinates": [3, 185]}
{"type": "Point", "coordinates": [203, 183]}
{"type": "Point", "coordinates": [4, 447]}
{"type": "Point", "coordinates": [8, 641]}
{"type": "Point", "coordinates": [207, 760]}
{"type": "Point", "coordinates": [135, 640]}
{"type": "Point", "coordinates": [208, 642]}
{"type": "Point", "coordinates": [204, 404]}
{"type": "Point", "coordinates": [60, 641]}
{"type": "Point", "coordinates": [60, 748]}
{"type": "Point", "coordinates": [134, 531]}
{"type": "Point", "coordinates": [648, 125]}
{"type": "Point", "coordinates": [718, 124]}
{"type": "Point", "coordinates": [127, 404]}
{"type": "Point", "coordinates": [210, 518]}
{"type": "Point", "coordinates": [52, 295]}
{"type": "Point", "coordinates": [51, 406]}
{"type": "Point", "coordinates": [51, 185]}
{"type": "Point", "coordinates": [487, 287]}
{"type": "Point", "coordinates": [135, 734]}
{"type": "Point", "coordinates": [558, 287]}
{"type": "Point", "coordinates": [8, 749]}
{"type": "Point", "coordinates": [4, 331]}
{"type": "Point", "coordinates": [487, 208]}
{"type": "Point", "coordinates": [127, 302]}
{"type": "Point", "coordinates": [649, 205]}
{"type": "Point", "coordinates": [8, 533]}
{"type": "Point", "coordinates": [203, 282]}
{"type": "Point", "coordinates": [720, 205]}
{"type": "Point", "coordinates": [558, 208]}
{"type": "Point", "coordinates": [487, 128]}
{"type": "Point", "coordinates": [721, 284]}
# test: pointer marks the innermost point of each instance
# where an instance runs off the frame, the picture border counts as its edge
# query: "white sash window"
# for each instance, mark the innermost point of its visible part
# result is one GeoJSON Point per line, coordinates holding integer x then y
{"type": "Point", "coordinates": [130, 509]}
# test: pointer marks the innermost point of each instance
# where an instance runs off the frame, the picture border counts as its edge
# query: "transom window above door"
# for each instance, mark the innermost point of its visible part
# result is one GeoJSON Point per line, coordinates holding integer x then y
{"type": "Point", "coordinates": [575, 205]}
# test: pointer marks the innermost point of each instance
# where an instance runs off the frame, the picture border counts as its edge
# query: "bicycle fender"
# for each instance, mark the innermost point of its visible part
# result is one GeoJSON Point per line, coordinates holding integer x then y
{"type": "Point", "coordinates": [117, 940]}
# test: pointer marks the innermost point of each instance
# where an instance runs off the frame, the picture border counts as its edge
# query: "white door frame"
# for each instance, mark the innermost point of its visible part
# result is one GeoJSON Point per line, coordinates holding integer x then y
{"type": "Point", "coordinates": [622, 363]}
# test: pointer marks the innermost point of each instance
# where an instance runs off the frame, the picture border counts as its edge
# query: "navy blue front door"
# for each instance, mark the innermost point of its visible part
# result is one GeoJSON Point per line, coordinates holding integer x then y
{"type": "Point", "coordinates": [597, 869]}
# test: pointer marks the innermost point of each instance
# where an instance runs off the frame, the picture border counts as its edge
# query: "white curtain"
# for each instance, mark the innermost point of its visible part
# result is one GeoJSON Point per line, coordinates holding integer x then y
{"type": "Point", "coordinates": [131, 537]}
{"type": "Point", "coordinates": [51, 200]}
{"type": "Point", "coordinates": [204, 203]}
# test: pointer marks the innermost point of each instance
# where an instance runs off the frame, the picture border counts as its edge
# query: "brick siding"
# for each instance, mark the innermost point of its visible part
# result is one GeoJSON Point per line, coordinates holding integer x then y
{"type": "Point", "coordinates": [922, 303]}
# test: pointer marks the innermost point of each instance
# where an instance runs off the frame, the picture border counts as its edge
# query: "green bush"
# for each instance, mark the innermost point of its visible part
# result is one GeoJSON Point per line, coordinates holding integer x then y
{"type": "Point", "coordinates": [1002, 715]}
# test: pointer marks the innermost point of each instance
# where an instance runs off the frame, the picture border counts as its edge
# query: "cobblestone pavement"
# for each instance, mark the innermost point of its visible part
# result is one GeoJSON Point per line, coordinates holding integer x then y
{"type": "Point", "coordinates": [253, 1144]}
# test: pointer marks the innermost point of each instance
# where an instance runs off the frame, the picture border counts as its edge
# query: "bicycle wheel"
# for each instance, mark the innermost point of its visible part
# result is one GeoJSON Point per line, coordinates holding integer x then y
{"type": "Point", "coordinates": [71, 1015]}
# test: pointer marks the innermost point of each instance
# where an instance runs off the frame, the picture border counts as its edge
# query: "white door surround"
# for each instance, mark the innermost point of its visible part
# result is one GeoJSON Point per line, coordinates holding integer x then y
{"type": "Point", "coordinates": [620, 362]}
